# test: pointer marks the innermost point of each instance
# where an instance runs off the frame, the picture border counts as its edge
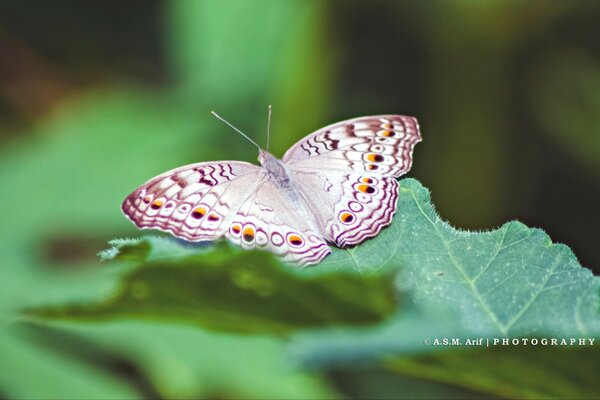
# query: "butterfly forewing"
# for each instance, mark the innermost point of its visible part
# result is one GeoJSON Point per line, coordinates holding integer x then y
{"type": "Point", "coordinates": [192, 202]}
{"type": "Point", "coordinates": [379, 144]}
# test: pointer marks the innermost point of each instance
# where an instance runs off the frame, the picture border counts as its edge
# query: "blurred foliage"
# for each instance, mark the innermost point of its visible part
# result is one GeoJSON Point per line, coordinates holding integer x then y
{"type": "Point", "coordinates": [97, 97]}
{"type": "Point", "coordinates": [575, 91]}
{"type": "Point", "coordinates": [526, 372]}
{"type": "Point", "coordinates": [235, 290]}
{"type": "Point", "coordinates": [511, 282]}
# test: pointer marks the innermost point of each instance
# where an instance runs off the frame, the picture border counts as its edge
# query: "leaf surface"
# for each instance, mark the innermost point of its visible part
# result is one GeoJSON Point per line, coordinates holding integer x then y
{"type": "Point", "coordinates": [507, 282]}
{"type": "Point", "coordinates": [225, 288]}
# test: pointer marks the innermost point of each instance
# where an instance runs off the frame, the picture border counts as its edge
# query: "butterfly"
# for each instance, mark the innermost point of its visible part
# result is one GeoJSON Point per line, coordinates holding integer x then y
{"type": "Point", "coordinates": [335, 186]}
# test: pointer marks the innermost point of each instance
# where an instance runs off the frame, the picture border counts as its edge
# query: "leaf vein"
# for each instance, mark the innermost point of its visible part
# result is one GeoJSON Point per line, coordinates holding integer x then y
{"type": "Point", "coordinates": [485, 307]}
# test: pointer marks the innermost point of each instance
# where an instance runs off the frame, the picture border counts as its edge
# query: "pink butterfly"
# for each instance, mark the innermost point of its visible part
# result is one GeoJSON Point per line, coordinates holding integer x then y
{"type": "Point", "coordinates": [336, 186]}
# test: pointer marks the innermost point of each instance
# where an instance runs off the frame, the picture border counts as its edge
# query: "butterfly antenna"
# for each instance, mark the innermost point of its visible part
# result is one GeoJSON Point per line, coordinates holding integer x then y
{"type": "Point", "coordinates": [269, 126]}
{"type": "Point", "coordinates": [235, 129]}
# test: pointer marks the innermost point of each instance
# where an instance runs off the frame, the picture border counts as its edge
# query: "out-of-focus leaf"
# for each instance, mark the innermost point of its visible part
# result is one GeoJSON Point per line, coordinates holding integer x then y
{"type": "Point", "coordinates": [236, 57]}
{"type": "Point", "coordinates": [526, 372]}
{"type": "Point", "coordinates": [566, 101]}
{"type": "Point", "coordinates": [70, 180]}
{"type": "Point", "coordinates": [378, 382]}
{"type": "Point", "coordinates": [226, 288]}
{"type": "Point", "coordinates": [215, 49]}
{"type": "Point", "coordinates": [63, 183]}
{"type": "Point", "coordinates": [182, 361]}
{"type": "Point", "coordinates": [403, 334]}
{"type": "Point", "coordinates": [29, 370]}
{"type": "Point", "coordinates": [301, 89]}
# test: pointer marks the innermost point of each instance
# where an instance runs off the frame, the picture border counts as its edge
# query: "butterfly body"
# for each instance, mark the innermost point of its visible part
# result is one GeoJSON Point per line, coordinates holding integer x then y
{"type": "Point", "coordinates": [274, 168]}
{"type": "Point", "coordinates": [337, 185]}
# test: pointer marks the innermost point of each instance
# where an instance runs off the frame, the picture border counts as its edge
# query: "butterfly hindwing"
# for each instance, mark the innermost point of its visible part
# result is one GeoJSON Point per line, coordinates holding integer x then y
{"type": "Point", "coordinates": [353, 206]}
{"type": "Point", "coordinates": [349, 169]}
{"type": "Point", "coordinates": [271, 220]}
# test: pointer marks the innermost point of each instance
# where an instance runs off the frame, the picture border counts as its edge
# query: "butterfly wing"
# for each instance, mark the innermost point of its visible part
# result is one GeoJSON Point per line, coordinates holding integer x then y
{"type": "Point", "coordinates": [234, 199]}
{"type": "Point", "coordinates": [381, 145]}
{"type": "Point", "coordinates": [193, 202]}
{"type": "Point", "coordinates": [352, 206]}
{"type": "Point", "coordinates": [277, 219]}
{"type": "Point", "coordinates": [347, 172]}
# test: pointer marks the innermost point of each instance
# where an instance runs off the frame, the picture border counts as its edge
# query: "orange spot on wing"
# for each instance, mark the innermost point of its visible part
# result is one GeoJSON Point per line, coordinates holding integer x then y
{"type": "Point", "coordinates": [366, 189]}
{"type": "Point", "coordinates": [156, 204]}
{"type": "Point", "coordinates": [347, 217]}
{"type": "Point", "coordinates": [248, 234]}
{"type": "Point", "coordinates": [389, 133]}
{"type": "Point", "coordinates": [375, 157]}
{"type": "Point", "coordinates": [295, 240]}
{"type": "Point", "coordinates": [199, 212]}
{"type": "Point", "coordinates": [213, 217]}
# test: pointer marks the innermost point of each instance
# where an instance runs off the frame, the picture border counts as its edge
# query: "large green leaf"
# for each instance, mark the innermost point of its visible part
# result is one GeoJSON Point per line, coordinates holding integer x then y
{"type": "Point", "coordinates": [512, 281]}
{"type": "Point", "coordinates": [507, 282]}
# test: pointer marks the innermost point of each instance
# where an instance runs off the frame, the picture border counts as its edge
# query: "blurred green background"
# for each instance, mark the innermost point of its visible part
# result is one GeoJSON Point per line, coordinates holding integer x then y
{"type": "Point", "coordinates": [96, 97]}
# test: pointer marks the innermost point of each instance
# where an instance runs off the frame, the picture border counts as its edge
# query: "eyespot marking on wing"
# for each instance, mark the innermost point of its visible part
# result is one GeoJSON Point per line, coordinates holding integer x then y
{"type": "Point", "coordinates": [199, 212]}
{"type": "Point", "coordinates": [156, 204]}
{"type": "Point", "coordinates": [261, 238]}
{"type": "Point", "coordinates": [248, 234]}
{"type": "Point", "coordinates": [355, 206]}
{"type": "Point", "coordinates": [373, 157]}
{"type": "Point", "coordinates": [368, 189]}
{"type": "Point", "coordinates": [367, 180]}
{"type": "Point", "coordinates": [276, 239]}
{"type": "Point", "coordinates": [347, 217]}
{"type": "Point", "coordinates": [295, 240]}
{"type": "Point", "coordinates": [236, 229]}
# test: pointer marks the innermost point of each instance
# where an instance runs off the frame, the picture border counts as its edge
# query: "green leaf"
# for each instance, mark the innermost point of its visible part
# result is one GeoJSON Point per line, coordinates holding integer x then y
{"type": "Point", "coordinates": [226, 288]}
{"type": "Point", "coordinates": [211, 49]}
{"type": "Point", "coordinates": [31, 370]}
{"type": "Point", "coordinates": [170, 361]}
{"type": "Point", "coordinates": [507, 282]}
{"type": "Point", "coordinates": [512, 281]}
